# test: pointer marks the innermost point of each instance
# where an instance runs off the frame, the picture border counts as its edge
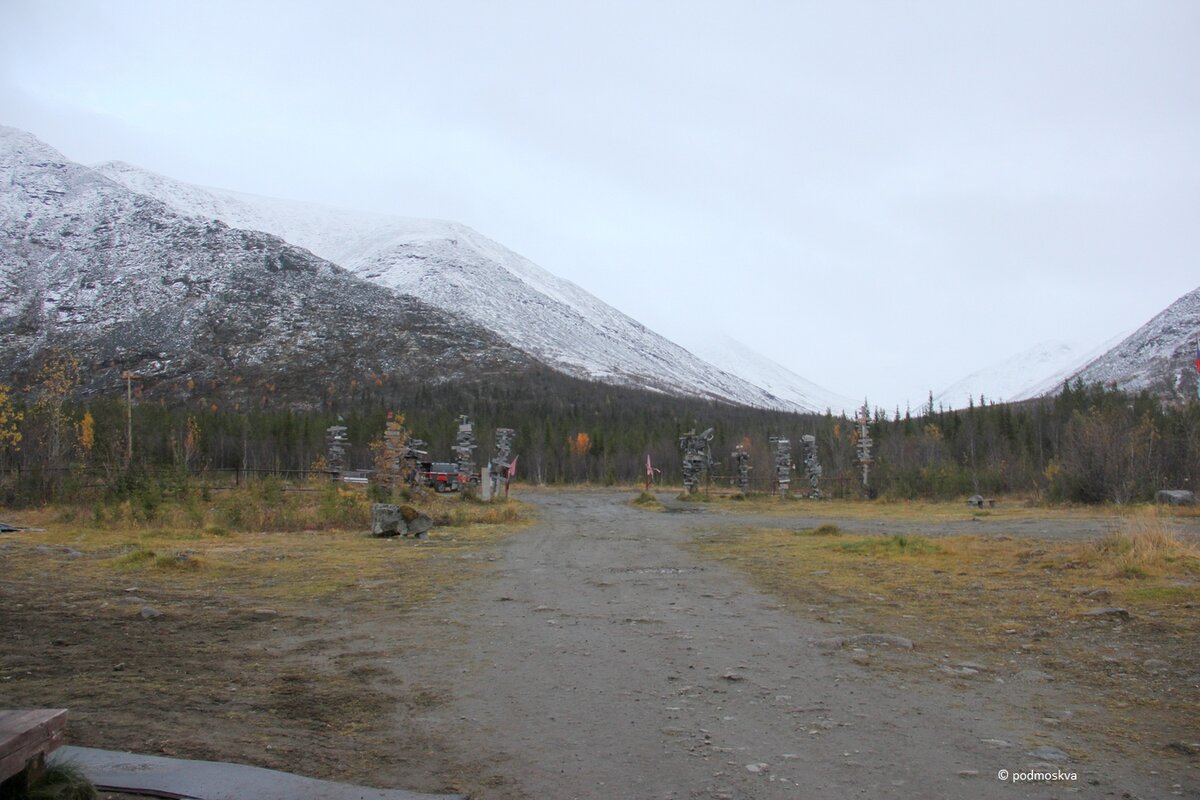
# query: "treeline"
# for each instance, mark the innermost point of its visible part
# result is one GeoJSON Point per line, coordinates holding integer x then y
{"type": "Point", "coordinates": [1088, 444]}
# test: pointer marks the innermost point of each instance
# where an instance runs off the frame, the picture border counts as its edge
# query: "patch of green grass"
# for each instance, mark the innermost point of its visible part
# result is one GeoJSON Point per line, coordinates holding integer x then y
{"type": "Point", "coordinates": [898, 544]}
{"type": "Point", "coordinates": [698, 497]}
{"type": "Point", "coordinates": [136, 558]}
{"type": "Point", "coordinates": [1164, 594]}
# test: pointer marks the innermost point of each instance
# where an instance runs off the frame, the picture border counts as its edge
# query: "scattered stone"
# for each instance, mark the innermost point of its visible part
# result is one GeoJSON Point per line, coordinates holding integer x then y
{"type": "Point", "coordinates": [149, 612]}
{"type": "Point", "coordinates": [958, 672]}
{"type": "Point", "coordinates": [733, 677]}
{"type": "Point", "coordinates": [1051, 722]}
{"type": "Point", "coordinates": [996, 742]}
{"type": "Point", "coordinates": [881, 639]}
{"type": "Point", "coordinates": [132, 600]}
{"type": "Point", "coordinates": [1120, 613]}
{"type": "Point", "coordinates": [71, 552]}
{"type": "Point", "coordinates": [1155, 665]}
{"type": "Point", "coordinates": [1096, 593]}
{"type": "Point", "coordinates": [972, 665]}
{"type": "Point", "coordinates": [119, 667]}
{"type": "Point", "coordinates": [759, 767]}
{"type": "Point", "coordinates": [861, 658]}
{"type": "Point", "coordinates": [968, 773]}
{"type": "Point", "coordinates": [886, 639]}
{"type": "Point", "coordinates": [264, 612]}
{"type": "Point", "coordinates": [1046, 753]}
{"type": "Point", "coordinates": [1187, 748]}
{"type": "Point", "coordinates": [1033, 676]}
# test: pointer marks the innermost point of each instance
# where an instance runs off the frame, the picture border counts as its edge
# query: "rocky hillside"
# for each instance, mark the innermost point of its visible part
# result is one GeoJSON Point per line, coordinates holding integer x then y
{"type": "Point", "coordinates": [198, 308]}
{"type": "Point", "coordinates": [1159, 356]}
{"type": "Point", "coordinates": [458, 270]}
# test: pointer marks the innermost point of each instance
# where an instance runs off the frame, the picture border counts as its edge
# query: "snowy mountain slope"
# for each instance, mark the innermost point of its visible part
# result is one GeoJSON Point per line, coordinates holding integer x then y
{"type": "Point", "coordinates": [1158, 357]}
{"type": "Point", "coordinates": [455, 268]}
{"type": "Point", "coordinates": [1031, 373]}
{"type": "Point", "coordinates": [122, 282]}
{"type": "Point", "coordinates": [737, 358]}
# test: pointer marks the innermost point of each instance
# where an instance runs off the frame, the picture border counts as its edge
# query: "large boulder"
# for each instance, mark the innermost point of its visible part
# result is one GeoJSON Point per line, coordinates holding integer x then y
{"type": "Point", "coordinates": [387, 520]}
{"type": "Point", "coordinates": [418, 524]}
{"type": "Point", "coordinates": [1175, 497]}
{"type": "Point", "coordinates": [390, 520]}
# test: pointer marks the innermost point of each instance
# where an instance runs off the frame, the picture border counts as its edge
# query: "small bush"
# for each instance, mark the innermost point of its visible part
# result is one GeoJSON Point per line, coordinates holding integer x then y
{"type": "Point", "coordinates": [178, 561]}
{"type": "Point", "coordinates": [827, 529]}
{"type": "Point", "coordinates": [62, 780]}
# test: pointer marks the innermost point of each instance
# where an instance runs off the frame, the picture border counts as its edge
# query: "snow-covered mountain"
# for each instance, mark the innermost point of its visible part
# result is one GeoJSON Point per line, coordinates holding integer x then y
{"type": "Point", "coordinates": [454, 268]}
{"type": "Point", "coordinates": [1159, 356]}
{"type": "Point", "coordinates": [122, 282]}
{"type": "Point", "coordinates": [739, 359]}
{"type": "Point", "coordinates": [1038, 371]}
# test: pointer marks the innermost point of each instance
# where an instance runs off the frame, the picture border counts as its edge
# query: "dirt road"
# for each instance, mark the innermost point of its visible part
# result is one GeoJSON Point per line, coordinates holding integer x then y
{"type": "Point", "coordinates": [601, 660]}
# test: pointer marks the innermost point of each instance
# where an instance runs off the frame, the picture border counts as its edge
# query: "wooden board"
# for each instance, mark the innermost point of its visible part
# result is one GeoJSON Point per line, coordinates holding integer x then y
{"type": "Point", "coordinates": [24, 735]}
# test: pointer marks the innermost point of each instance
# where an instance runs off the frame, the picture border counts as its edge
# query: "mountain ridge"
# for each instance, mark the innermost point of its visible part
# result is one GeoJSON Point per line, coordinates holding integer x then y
{"type": "Point", "coordinates": [451, 266]}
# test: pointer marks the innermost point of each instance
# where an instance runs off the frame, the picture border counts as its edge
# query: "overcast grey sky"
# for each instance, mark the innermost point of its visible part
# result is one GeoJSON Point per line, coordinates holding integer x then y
{"type": "Point", "coordinates": [880, 196]}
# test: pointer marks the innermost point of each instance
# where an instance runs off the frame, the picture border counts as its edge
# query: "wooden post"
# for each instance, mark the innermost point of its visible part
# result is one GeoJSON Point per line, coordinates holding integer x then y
{"type": "Point", "coordinates": [128, 376]}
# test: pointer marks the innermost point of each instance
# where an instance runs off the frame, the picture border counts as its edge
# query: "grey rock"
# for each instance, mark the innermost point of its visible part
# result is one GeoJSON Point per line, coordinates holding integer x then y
{"type": "Point", "coordinates": [1120, 613]}
{"type": "Point", "coordinates": [1033, 676]}
{"type": "Point", "coordinates": [132, 600]}
{"type": "Point", "coordinates": [419, 525]}
{"type": "Point", "coordinates": [386, 520]}
{"type": "Point", "coordinates": [1046, 753]}
{"type": "Point", "coordinates": [960, 672]}
{"type": "Point", "coordinates": [150, 612]}
{"type": "Point", "coordinates": [1155, 665]}
{"type": "Point", "coordinates": [1175, 497]}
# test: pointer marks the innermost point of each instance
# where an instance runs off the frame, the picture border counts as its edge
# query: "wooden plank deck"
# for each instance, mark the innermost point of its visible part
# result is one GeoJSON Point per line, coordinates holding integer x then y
{"type": "Point", "coordinates": [27, 735]}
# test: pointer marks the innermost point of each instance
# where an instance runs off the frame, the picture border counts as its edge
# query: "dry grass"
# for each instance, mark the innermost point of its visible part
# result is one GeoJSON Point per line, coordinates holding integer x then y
{"type": "Point", "coordinates": [1147, 548]}
{"type": "Point", "coordinates": [280, 544]}
{"type": "Point", "coordinates": [1006, 508]}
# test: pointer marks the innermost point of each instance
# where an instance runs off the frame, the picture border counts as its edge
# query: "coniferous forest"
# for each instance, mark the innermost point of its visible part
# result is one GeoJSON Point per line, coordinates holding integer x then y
{"type": "Point", "coordinates": [1087, 444]}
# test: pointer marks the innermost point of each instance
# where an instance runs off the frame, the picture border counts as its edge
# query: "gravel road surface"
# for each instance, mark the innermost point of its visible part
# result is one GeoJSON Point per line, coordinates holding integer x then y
{"type": "Point", "coordinates": [599, 659]}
